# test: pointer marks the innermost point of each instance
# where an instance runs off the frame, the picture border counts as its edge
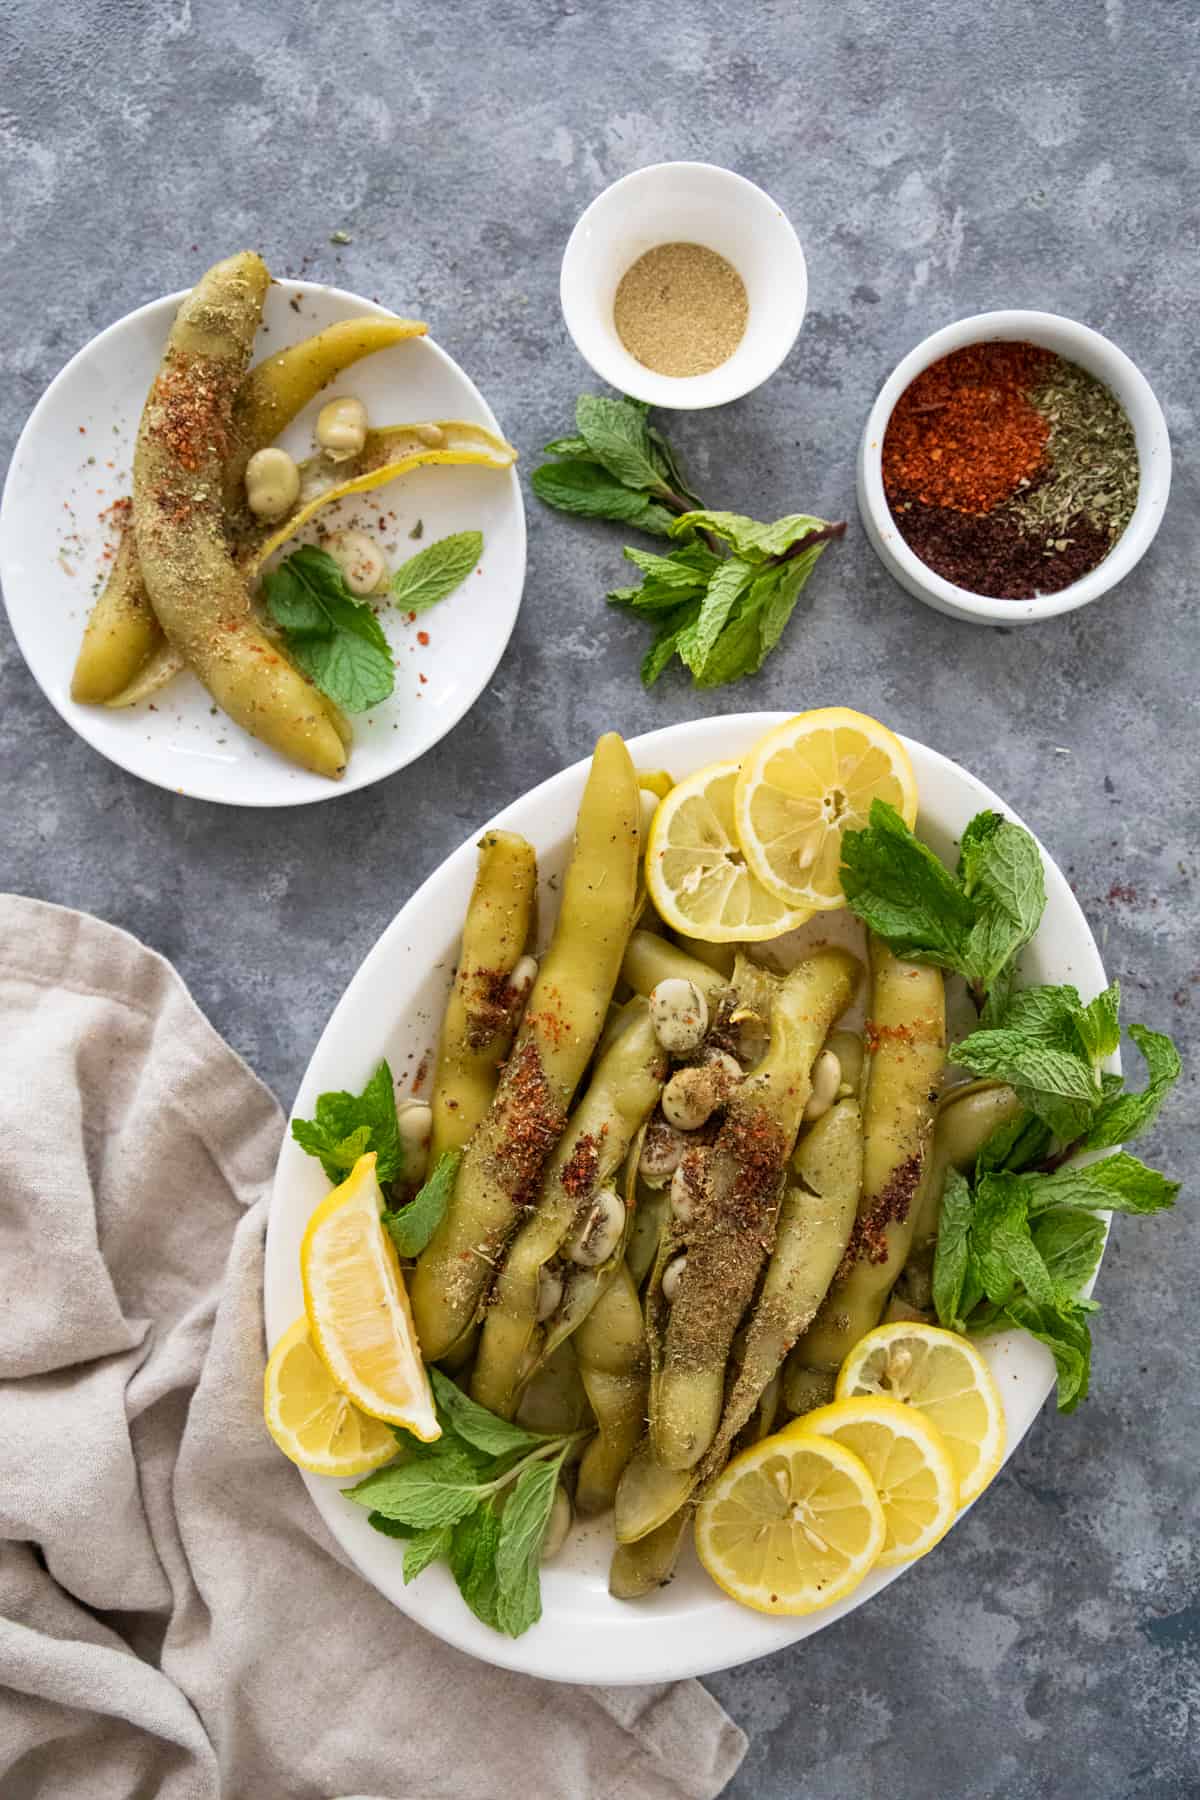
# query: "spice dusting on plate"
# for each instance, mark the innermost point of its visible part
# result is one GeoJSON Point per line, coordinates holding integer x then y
{"type": "Point", "coordinates": [681, 309]}
{"type": "Point", "coordinates": [1009, 470]}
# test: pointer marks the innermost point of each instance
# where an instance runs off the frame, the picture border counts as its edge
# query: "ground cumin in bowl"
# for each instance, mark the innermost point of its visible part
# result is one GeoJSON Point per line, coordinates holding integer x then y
{"type": "Point", "coordinates": [1015, 466]}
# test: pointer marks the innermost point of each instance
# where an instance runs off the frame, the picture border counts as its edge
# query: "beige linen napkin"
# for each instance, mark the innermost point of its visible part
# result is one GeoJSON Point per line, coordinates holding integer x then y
{"type": "Point", "coordinates": [174, 1620]}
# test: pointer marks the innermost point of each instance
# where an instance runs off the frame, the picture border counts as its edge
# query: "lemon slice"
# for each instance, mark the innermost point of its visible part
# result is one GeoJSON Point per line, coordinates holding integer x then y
{"type": "Point", "coordinates": [944, 1377]}
{"type": "Point", "coordinates": [695, 869]}
{"type": "Point", "coordinates": [907, 1459]}
{"type": "Point", "coordinates": [803, 785]}
{"type": "Point", "coordinates": [311, 1420]}
{"type": "Point", "coordinates": [793, 1524]}
{"type": "Point", "coordinates": [358, 1309]}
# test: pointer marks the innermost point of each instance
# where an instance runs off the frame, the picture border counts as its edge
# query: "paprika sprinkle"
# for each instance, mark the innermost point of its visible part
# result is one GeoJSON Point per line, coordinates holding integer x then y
{"type": "Point", "coordinates": [1009, 471]}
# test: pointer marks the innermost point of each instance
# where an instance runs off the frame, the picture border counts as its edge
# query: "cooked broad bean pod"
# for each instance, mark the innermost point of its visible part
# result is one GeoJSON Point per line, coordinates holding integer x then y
{"type": "Point", "coordinates": [638, 1568]}
{"type": "Point", "coordinates": [650, 959]}
{"type": "Point", "coordinates": [906, 1054]}
{"type": "Point", "coordinates": [649, 1209]}
{"type": "Point", "coordinates": [815, 1222]}
{"type": "Point", "coordinates": [504, 1162]}
{"type": "Point", "coordinates": [966, 1119]}
{"type": "Point", "coordinates": [198, 594]}
{"type": "Point", "coordinates": [732, 1222]}
{"type": "Point", "coordinates": [610, 1348]}
{"type": "Point", "coordinates": [622, 1093]}
{"type": "Point", "coordinates": [805, 1389]}
{"type": "Point", "coordinates": [720, 957]}
{"type": "Point", "coordinates": [481, 1013]}
{"type": "Point", "coordinates": [123, 634]}
{"type": "Point", "coordinates": [648, 1494]}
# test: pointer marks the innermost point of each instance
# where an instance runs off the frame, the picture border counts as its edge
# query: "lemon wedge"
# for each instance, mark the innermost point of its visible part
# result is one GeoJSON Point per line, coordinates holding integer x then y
{"type": "Point", "coordinates": [793, 1524]}
{"type": "Point", "coordinates": [695, 870]}
{"type": "Point", "coordinates": [944, 1377]}
{"type": "Point", "coordinates": [358, 1309]}
{"type": "Point", "coordinates": [803, 785]}
{"type": "Point", "coordinates": [311, 1420]}
{"type": "Point", "coordinates": [907, 1459]}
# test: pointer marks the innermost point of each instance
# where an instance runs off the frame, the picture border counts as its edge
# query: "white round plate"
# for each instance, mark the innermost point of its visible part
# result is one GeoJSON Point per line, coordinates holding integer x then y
{"type": "Point", "coordinates": [393, 1008]}
{"type": "Point", "coordinates": [73, 461]}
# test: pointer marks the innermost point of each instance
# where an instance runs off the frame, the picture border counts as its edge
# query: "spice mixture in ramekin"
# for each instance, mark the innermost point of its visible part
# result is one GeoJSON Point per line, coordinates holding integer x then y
{"type": "Point", "coordinates": [1009, 470]}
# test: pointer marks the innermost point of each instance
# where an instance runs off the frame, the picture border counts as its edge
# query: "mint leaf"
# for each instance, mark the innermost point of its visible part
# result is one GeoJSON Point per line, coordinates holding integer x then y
{"type": "Point", "coordinates": [1040, 1071]}
{"type": "Point", "coordinates": [1049, 1015]}
{"type": "Point", "coordinates": [412, 1226]}
{"type": "Point", "coordinates": [1121, 1117]}
{"type": "Point", "coordinates": [292, 600]}
{"type": "Point", "coordinates": [777, 592]}
{"type": "Point", "coordinates": [1118, 1183]}
{"type": "Point", "coordinates": [686, 569]}
{"type": "Point", "coordinates": [1007, 881]}
{"type": "Point", "coordinates": [1099, 1023]}
{"type": "Point", "coordinates": [485, 1430]}
{"type": "Point", "coordinates": [436, 571]}
{"type": "Point", "coordinates": [393, 1528]}
{"type": "Point", "coordinates": [900, 889]}
{"type": "Point", "coordinates": [472, 1559]}
{"type": "Point", "coordinates": [730, 581]}
{"type": "Point", "coordinates": [950, 1256]}
{"type": "Point", "coordinates": [335, 639]}
{"type": "Point", "coordinates": [616, 433]}
{"type": "Point", "coordinates": [518, 1553]}
{"type": "Point", "coordinates": [426, 1492]}
{"type": "Point", "coordinates": [1063, 1328]}
{"type": "Point", "coordinates": [654, 598]}
{"type": "Point", "coordinates": [670, 630]}
{"type": "Point", "coordinates": [1070, 1245]}
{"type": "Point", "coordinates": [345, 1125]}
{"type": "Point", "coordinates": [426, 1547]}
{"type": "Point", "coordinates": [590, 492]}
{"type": "Point", "coordinates": [569, 446]}
{"type": "Point", "coordinates": [749, 538]}
{"type": "Point", "coordinates": [669, 467]}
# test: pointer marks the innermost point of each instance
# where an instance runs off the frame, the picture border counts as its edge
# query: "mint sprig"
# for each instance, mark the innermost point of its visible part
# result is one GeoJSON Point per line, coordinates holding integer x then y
{"type": "Point", "coordinates": [331, 635]}
{"type": "Point", "coordinates": [346, 1125]}
{"type": "Point", "coordinates": [1020, 1238]}
{"type": "Point", "coordinates": [719, 601]}
{"type": "Point", "coordinates": [479, 1498]}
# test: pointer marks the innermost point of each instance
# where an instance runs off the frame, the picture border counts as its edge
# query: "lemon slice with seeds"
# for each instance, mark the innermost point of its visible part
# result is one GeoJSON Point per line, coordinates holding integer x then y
{"type": "Point", "coordinates": [311, 1420]}
{"type": "Point", "coordinates": [944, 1377]}
{"type": "Point", "coordinates": [793, 1524]}
{"type": "Point", "coordinates": [907, 1459]}
{"type": "Point", "coordinates": [695, 869]}
{"type": "Point", "coordinates": [803, 785]}
{"type": "Point", "coordinates": [357, 1306]}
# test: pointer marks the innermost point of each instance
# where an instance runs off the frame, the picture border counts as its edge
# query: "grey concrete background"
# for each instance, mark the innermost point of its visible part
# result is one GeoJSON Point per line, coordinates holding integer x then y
{"type": "Point", "coordinates": [935, 162]}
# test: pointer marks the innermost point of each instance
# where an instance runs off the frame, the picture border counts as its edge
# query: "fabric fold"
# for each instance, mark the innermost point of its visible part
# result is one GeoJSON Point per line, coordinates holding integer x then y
{"type": "Point", "coordinates": [174, 1618]}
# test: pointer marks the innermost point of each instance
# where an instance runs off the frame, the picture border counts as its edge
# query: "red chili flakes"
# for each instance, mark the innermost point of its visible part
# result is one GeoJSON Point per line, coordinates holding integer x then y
{"type": "Point", "coordinates": [422, 637]}
{"type": "Point", "coordinates": [581, 1168]}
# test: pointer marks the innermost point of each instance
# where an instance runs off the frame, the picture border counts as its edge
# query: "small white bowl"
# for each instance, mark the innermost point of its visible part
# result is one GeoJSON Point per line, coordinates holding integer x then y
{"type": "Point", "coordinates": [1078, 344]}
{"type": "Point", "coordinates": [691, 203]}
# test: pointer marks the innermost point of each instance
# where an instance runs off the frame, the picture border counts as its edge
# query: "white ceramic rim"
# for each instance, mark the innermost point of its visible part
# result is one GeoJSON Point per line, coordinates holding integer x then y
{"type": "Point", "coordinates": [1094, 352]}
{"type": "Point", "coordinates": [77, 717]}
{"type": "Point", "coordinates": [692, 392]}
{"type": "Point", "coordinates": [639, 1644]}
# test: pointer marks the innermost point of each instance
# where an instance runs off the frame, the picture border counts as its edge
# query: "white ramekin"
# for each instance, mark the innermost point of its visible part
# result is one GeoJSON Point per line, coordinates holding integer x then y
{"type": "Point", "coordinates": [685, 202]}
{"type": "Point", "coordinates": [1099, 357]}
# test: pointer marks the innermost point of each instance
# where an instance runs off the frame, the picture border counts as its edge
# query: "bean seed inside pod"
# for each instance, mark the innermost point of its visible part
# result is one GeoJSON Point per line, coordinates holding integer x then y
{"type": "Point", "coordinates": [599, 1231]}
{"type": "Point", "coordinates": [672, 1276]}
{"type": "Point", "coordinates": [662, 1151]}
{"type": "Point", "coordinates": [685, 1186]}
{"type": "Point", "coordinates": [679, 1014]}
{"type": "Point", "coordinates": [549, 1293]}
{"type": "Point", "coordinates": [693, 1094]}
{"type": "Point", "coordinates": [826, 1079]}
